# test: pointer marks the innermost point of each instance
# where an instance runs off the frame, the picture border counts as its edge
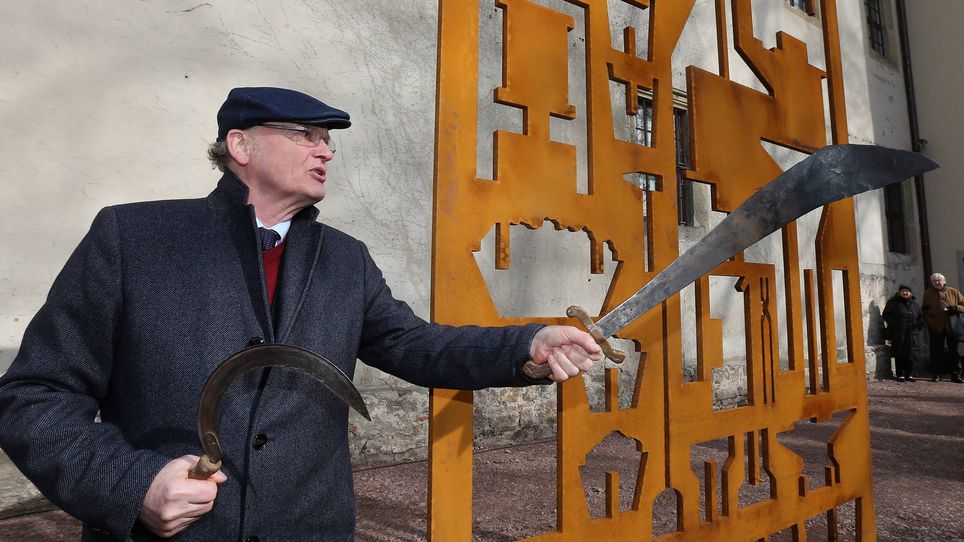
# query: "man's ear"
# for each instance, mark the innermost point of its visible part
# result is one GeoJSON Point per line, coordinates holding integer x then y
{"type": "Point", "coordinates": [239, 146]}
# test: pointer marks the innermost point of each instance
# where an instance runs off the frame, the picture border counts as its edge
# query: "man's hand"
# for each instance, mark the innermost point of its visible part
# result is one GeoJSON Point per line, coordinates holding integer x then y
{"type": "Point", "coordinates": [567, 350]}
{"type": "Point", "coordinates": [174, 501]}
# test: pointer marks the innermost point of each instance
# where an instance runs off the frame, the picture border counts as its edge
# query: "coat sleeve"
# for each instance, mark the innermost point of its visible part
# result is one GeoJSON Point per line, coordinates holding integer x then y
{"type": "Point", "coordinates": [959, 301]}
{"type": "Point", "coordinates": [50, 396]}
{"type": "Point", "coordinates": [400, 343]}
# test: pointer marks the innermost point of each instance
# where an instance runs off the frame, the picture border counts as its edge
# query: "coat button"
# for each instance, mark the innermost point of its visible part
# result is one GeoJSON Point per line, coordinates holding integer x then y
{"type": "Point", "coordinates": [255, 341]}
{"type": "Point", "coordinates": [259, 441]}
{"type": "Point", "coordinates": [252, 539]}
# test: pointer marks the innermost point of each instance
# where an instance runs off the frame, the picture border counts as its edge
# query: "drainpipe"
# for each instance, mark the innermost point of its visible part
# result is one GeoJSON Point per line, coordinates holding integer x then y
{"type": "Point", "coordinates": [925, 243]}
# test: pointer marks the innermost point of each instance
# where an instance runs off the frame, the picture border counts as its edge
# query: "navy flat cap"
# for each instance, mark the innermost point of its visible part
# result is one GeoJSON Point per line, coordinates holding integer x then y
{"type": "Point", "coordinates": [249, 106]}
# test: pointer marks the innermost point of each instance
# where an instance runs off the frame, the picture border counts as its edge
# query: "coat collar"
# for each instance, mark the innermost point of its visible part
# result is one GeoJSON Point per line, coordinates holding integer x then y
{"type": "Point", "coordinates": [232, 192]}
{"type": "Point", "coordinates": [302, 247]}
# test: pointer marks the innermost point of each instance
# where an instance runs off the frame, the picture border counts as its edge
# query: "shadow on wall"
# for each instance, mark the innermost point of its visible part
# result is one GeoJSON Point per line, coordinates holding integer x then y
{"type": "Point", "coordinates": [875, 324]}
{"type": "Point", "coordinates": [878, 352]}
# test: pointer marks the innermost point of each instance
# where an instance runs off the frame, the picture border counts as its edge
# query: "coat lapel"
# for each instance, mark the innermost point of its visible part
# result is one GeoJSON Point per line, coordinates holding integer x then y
{"type": "Point", "coordinates": [302, 247]}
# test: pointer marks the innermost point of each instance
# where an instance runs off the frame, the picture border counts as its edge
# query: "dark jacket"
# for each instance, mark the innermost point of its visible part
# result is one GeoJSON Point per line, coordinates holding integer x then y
{"type": "Point", "coordinates": [904, 321]}
{"type": "Point", "coordinates": [153, 298]}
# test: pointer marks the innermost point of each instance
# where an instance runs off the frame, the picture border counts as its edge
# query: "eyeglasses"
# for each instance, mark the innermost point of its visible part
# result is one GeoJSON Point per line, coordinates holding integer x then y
{"type": "Point", "coordinates": [311, 136]}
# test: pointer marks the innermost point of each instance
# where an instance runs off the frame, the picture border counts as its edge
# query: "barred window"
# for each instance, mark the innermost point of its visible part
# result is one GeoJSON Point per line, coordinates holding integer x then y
{"type": "Point", "coordinates": [875, 23]}
{"type": "Point", "coordinates": [644, 136]}
{"type": "Point", "coordinates": [684, 191]}
{"type": "Point", "coordinates": [894, 214]}
{"type": "Point", "coordinates": [805, 6]}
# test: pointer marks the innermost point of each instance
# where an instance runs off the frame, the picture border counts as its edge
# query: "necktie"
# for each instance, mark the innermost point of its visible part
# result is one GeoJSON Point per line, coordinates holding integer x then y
{"type": "Point", "coordinates": [267, 238]}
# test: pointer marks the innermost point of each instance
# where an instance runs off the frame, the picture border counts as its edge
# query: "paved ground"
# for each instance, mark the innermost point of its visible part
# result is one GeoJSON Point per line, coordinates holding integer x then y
{"type": "Point", "coordinates": [918, 462]}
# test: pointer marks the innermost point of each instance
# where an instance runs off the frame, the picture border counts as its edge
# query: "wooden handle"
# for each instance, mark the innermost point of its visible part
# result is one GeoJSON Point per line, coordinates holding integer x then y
{"type": "Point", "coordinates": [204, 468]}
{"type": "Point", "coordinates": [540, 371]}
{"type": "Point", "coordinates": [536, 371]}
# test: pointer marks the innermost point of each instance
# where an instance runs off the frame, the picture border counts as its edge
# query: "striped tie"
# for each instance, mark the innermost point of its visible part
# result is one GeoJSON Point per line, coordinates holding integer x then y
{"type": "Point", "coordinates": [267, 238]}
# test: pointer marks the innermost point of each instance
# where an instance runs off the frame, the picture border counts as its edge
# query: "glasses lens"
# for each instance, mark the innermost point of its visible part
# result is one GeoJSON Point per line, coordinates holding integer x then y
{"type": "Point", "coordinates": [318, 135]}
{"type": "Point", "coordinates": [307, 136]}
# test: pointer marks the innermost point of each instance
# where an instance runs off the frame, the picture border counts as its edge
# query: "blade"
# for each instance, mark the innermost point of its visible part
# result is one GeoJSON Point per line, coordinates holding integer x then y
{"type": "Point", "coordinates": [830, 174]}
{"type": "Point", "coordinates": [267, 355]}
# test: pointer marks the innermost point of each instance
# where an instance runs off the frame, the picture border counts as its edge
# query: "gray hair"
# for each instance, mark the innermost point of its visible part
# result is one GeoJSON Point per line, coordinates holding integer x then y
{"type": "Point", "coordinates": [218, 154]}
{"type": "Point", "coordinates": [938, 276]}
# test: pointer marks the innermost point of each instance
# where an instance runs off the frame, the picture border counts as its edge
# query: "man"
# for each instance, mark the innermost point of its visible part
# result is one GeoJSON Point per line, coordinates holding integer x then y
{"type": "Point", "coordinates": [158, 293]}
{"type": "Point", "coordinates": [940, 303]}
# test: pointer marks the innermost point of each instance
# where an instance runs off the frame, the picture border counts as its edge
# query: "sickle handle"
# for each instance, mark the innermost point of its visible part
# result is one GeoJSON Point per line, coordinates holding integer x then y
{"type": "Point", "coordinates": [204, 468]}
{"type": "Point", "coordinates": [540, 371]}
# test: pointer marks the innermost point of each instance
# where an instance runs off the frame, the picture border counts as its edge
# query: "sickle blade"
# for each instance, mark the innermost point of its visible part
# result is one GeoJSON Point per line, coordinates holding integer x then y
{"type": "Point", "coordinates": [267, 355]}
{"type": "Point", "coordinates": [832, 173]}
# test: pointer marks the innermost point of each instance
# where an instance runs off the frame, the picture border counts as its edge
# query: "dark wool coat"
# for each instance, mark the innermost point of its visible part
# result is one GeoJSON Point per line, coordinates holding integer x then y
{"type": "Point", "coordinates": [904, 321]}
{"type": "Point", "coordinates": [153, 298]}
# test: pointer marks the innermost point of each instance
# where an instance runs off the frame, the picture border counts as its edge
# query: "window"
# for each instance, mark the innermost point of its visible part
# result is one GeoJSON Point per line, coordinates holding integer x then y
{"type": "Point", "coordinates": [803, 5]}
{"type": "Point", "coordinates": [875, 22]}
{"type": "Point", "coordinates": [644, 136]}
{"type": "Point", "coordinates": [894, 214]}
{"type": "Point", "coordinates": [684, 191]}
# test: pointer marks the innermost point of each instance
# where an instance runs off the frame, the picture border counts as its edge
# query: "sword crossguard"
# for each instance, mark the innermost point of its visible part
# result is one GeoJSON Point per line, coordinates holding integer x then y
{"type": "Point", "coordinates": [577, 312]}
{"type": "Point", "coordinates": [541, 371]}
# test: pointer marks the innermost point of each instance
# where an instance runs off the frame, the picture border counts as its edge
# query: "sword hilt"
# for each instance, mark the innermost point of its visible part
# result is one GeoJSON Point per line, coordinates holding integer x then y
{"type": "Point", "coordinates": [540, 371]}
{"type": "Point", "coordinates": [205, 468]}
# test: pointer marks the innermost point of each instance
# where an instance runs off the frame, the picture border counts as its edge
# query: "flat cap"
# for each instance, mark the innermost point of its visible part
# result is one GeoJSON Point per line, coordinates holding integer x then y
{"type": "Point", "coordinates": [249, 106]}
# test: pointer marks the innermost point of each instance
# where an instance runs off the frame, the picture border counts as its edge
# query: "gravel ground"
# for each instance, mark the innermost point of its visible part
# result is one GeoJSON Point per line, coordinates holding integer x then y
{"type": "Point", "coordinates": [918, 464]}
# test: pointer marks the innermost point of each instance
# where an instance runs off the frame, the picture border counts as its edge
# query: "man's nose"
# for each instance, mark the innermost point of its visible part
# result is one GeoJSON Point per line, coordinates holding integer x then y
{"type": "Point", "coordinates": [323, 151]}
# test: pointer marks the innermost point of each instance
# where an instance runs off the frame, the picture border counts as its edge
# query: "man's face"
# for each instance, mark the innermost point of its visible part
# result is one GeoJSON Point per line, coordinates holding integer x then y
{"type": "Point", "coordinates": [938, 282]}
{"type": "Point", "coordinates": [905, 293]}
{"type": "Point", "coordinates": [288, 168]}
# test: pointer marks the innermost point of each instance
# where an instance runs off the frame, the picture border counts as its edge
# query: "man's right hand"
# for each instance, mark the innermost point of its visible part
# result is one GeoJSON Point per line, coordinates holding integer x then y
{"type": "Point", "coordinates": [174, 501]}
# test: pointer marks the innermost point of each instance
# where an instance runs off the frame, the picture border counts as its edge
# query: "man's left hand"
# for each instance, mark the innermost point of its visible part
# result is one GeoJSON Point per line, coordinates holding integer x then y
{"type": "Point", "coordinates": [568, 351]}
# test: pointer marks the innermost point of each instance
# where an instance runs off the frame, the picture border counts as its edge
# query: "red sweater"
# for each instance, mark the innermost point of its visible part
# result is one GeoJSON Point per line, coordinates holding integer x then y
{"type": "Point", "coordinates": [272, 264]}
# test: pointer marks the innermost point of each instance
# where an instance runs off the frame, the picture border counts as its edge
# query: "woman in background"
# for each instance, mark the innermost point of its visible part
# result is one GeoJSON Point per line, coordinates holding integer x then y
{"type": "Point", "coordinates": [904, 320]}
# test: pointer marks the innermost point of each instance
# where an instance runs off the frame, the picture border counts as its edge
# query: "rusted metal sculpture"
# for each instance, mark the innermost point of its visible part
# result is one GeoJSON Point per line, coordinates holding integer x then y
{"type": "Point", "coordinates": [535, 178]}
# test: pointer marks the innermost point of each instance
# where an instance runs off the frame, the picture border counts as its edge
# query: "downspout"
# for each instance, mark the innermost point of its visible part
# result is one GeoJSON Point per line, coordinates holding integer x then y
{"type": "Point", "coordinates": [925, 243]}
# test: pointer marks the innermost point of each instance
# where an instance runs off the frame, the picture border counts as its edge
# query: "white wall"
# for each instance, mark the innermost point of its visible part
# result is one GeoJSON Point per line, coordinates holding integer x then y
{"type": "Point", "coordinates": [104, 102]}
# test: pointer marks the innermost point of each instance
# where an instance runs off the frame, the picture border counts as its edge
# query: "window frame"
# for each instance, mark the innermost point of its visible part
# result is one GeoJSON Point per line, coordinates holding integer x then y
{"type": "Point", "coordinates": [876, 26]}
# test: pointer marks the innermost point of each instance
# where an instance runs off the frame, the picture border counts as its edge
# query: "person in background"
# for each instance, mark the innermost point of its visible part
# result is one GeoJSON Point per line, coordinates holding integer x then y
{"type": "Point", "coordinates": [940, 303]}
{"type": "Point", "coordinates": [904, 320]}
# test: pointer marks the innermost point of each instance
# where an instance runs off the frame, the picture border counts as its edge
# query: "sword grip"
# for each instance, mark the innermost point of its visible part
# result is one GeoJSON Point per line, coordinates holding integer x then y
{"type": "Point", "coordinates": [540, 371]}
{"type": "Point", "coordinates": [204, 468]}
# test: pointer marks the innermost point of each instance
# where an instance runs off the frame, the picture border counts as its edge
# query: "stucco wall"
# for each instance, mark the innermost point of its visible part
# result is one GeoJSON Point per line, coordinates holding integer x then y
{"type": "Point", "coordinates": [109, 101]}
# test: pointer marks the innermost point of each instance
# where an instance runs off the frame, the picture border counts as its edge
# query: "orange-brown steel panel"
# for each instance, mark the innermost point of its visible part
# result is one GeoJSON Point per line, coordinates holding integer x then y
{"type": "Point", "coordinates": [535, 178]}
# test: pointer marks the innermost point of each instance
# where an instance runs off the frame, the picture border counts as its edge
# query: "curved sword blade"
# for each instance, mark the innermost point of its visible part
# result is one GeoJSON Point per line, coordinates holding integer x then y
{"type": "Point", "coordinates": [832, 173]}
{"type": "Point", "coordinates": [267, 355]}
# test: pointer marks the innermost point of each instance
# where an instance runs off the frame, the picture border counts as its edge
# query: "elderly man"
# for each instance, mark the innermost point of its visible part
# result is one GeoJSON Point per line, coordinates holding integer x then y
{"type": "Point", "coordinates": [940, 303]}
{"type": "Point", "coordinates": [158, 293]}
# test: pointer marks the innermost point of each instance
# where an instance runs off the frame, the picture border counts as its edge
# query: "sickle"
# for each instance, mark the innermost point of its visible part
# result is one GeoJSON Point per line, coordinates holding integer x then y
{"type": "Point", "coordinates": [265, 355]}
